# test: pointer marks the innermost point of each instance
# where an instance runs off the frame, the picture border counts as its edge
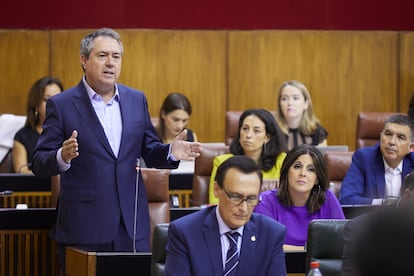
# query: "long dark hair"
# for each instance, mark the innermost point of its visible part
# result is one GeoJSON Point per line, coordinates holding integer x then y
{"type": "Point", "coordinates": [317, 195]}
{"type": "Point", "coordinates": [174, 101]}
{"type": "Point", "coordinates": [275, 145]}
{"type": "Point", "coordinates": [35, 98]}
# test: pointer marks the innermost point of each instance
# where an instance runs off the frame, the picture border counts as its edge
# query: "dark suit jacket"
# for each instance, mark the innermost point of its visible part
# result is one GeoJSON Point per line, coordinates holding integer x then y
{"type": "Point", "coordinates": [99, 187]}
{"type": "Point", "coordinates": [194, 246]}
{"type": "Point", "coordinates": [365, 179]}
{"type": "Point", "coordinates": [380, 242]}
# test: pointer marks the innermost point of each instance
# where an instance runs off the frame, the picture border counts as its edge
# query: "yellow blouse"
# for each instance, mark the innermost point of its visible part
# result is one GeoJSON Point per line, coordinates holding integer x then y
{"type": "Point", "coordinates": [273, 173]}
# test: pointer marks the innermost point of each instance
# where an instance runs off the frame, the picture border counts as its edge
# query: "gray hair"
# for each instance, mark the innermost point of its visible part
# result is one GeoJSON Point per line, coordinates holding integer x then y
{"type": "Point", "coordinates": [87, 43]}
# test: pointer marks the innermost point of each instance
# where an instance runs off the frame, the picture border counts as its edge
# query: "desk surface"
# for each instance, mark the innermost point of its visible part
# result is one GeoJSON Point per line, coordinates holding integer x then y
{"type": "Point", "coordinates": [184, 167]}
{"type": "Point", "coordinates": [24, 182]}
{"type": "Point", "coordinates": [32, 218]}
{"type": "Point", "coordinates": [351, 211]}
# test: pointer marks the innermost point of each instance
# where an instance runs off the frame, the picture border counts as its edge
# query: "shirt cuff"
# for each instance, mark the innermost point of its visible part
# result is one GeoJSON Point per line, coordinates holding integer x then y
{"type": "Point", "coordinates": [171, 156]}
{"type": "Point", "coordinates": [62, 165]}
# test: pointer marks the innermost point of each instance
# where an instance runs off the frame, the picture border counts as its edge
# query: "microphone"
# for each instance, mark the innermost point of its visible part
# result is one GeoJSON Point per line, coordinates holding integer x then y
{"type": "Point", "coordinates": [138, 168]}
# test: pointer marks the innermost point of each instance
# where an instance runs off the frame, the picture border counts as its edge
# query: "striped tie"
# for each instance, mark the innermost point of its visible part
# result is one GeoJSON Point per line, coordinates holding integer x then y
{"type": "Point", "coordinates": [232, 259]}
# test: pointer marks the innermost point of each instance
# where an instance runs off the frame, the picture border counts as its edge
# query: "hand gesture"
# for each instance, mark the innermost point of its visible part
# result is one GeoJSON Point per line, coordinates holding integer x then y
{"type": "Point", "coordinates": [70, 147]}
{"type": "Point", "coordinates": [183, 150]}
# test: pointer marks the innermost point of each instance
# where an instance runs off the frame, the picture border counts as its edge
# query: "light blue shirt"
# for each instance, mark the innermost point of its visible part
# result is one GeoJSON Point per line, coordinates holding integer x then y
{"type": "Point", "coordinates": [109, 115]}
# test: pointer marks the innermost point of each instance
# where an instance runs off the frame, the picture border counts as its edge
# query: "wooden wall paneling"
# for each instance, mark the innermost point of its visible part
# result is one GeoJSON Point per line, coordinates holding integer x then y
{"type": "Point", "coordinates": [406, 69]}
{"type": "Point", "coordinates": [24, 58]}
{"type": "Point", "coordinates": [342, 70]}
{"type": "Point", "coordinates": [159, 62]}
{"type": "Point", "coordinates": [65, 55]}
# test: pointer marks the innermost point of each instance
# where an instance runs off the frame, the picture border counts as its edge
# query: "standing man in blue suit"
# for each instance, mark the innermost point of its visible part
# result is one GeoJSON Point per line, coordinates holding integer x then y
{"type": "Point", "coordinates": [376, 172]}
{"type": "Point", "coordinates": [93, 136]}
{"type": "Point", "coordinates": [198, 243]}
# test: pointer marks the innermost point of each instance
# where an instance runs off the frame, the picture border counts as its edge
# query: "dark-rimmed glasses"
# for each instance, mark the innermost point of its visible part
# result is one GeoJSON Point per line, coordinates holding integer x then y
{"type": "Point", "coordinates": [238, 199]}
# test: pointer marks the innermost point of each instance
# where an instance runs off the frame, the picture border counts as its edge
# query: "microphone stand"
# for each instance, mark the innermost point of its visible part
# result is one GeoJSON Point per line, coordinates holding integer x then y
{"type": "Point", "coordinates": [138, 168]}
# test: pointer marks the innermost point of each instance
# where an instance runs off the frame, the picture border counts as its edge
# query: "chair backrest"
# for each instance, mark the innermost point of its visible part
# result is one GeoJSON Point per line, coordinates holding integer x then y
{"type": "Point", "coordinates": [325, 245]}
{"type": "Point", "coordinates": [338, 163]}
{"type": "Point", "coordinates": [232, 124]}
{"type": "Point", "coordinates": [369, 127]}
{"type": "Point", "coordinates": [6, 165]}
{"type": "Point", "coordinates": [157, 185]}
{"type": "Point", "coordinates": [202, 171]}
{"type": "Point", "coordinates": [159, 254]}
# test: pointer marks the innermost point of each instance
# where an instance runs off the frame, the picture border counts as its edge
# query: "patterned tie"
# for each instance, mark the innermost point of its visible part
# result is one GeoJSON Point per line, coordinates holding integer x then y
{"type": "Point", "coordinates": [232, 259]}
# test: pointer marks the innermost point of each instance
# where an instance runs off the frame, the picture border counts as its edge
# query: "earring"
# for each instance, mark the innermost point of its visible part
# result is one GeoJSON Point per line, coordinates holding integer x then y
{"type": "Point", "coordinates": [319, 188]}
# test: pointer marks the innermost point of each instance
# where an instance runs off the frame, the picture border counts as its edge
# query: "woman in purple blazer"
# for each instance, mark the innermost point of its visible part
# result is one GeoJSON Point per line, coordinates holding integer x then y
{"type": "Point", "coordinates": [303, 194]}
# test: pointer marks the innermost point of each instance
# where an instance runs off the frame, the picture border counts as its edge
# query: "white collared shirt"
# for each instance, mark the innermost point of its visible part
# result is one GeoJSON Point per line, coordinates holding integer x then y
{"type": "Point", "coordinates": [393, 180]}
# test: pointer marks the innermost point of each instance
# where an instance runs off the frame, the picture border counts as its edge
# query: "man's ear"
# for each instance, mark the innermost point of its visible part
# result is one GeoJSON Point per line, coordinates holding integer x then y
{"type": "Point", "coordinates": [411, 146]}
{"type": "Point", "coordinates": [216, 188]}
{"type": "Point", "coordinates": [407, 194]}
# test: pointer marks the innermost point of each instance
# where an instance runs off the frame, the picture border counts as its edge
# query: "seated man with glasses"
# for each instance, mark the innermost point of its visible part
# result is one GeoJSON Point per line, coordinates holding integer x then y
{"type": "Point", "coordinates": [228, 239]}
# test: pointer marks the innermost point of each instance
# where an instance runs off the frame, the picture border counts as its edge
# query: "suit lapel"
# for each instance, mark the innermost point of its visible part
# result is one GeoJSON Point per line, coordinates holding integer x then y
{"type": "Point", "coordinates": [211, 235]}
{"type": "Point", "coordinates": [379, 172]}
{"type": "Point", "coordinates": [406, 168]}
{"type": "Point", "coordinates": [85, 109]}
{"type": "Point", "coordinates": [248, 248]}
{"type": "Point", "coordinates": [126, 106]}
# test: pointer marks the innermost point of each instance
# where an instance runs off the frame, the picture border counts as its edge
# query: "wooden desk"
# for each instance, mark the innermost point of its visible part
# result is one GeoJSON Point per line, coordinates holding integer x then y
{"type": "Point", "coordinates": [25, 246]}
{"type": "Point", "coordinates": [24, 188]}
{"type": "Point", "coordinates": [83, 263]}
{"type": "Point", "coordinates": [295, 262]}
{"type": "Point", "coordinates": [181, 189]}
{"type": "Point", "coordinates": [181, 184]}
{"type": "Point", "coordinates": [352, 211]}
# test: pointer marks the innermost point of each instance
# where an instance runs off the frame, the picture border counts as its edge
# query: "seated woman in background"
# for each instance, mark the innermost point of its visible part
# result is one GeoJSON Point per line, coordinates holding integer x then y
{"type": "Point", "coordinates": [303, 194]}
{"type": "Point", "coordinates": [295, 116]}
{"type": "Point", "coordinates": [259, 138]}
{"type": "Point", "coordinates": [26, 138]}
{"type": "Point", "coordinates": [173, 118]}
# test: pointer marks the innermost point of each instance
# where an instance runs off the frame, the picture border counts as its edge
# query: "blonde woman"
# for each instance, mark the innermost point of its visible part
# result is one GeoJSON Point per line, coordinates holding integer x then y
{"type": "Point", "coordinates": [295, 116]}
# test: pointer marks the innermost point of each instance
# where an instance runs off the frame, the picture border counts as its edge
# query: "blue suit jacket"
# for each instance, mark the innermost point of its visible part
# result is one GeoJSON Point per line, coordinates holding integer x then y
{"type": "Point", "coordinates": [365, 179]}
{"type": "Point", "coordinates": [99, 187]}
{"type": "Point", "coordinates": [194, 246]}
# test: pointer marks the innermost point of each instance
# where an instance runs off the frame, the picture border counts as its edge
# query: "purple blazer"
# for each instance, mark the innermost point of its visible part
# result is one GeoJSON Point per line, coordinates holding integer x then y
{"type": "Point", "coordinates": [297, 219]}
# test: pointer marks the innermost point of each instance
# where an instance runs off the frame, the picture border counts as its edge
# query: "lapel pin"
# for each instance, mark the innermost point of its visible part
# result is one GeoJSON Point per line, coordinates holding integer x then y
{"type": "Point", "coordinates": [253, 238]}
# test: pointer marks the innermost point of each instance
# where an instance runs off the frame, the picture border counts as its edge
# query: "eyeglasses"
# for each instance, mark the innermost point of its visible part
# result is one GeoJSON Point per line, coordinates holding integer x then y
{"type": "Point", "coordinates": [238, 199]}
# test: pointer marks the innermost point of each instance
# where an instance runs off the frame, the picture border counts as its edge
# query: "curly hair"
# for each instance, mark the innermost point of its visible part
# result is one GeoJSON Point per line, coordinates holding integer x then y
{"type": "Point", "coordinates": [275, 145]}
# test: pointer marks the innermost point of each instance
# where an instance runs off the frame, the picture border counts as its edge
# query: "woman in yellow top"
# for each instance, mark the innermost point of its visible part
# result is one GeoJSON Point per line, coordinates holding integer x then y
{"type": "Point", "coordinates": [260, 138]}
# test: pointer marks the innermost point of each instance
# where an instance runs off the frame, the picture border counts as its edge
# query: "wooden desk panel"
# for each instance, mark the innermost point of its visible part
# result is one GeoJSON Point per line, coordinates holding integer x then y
{"type": "Point", "coordinates": [25, 246]}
